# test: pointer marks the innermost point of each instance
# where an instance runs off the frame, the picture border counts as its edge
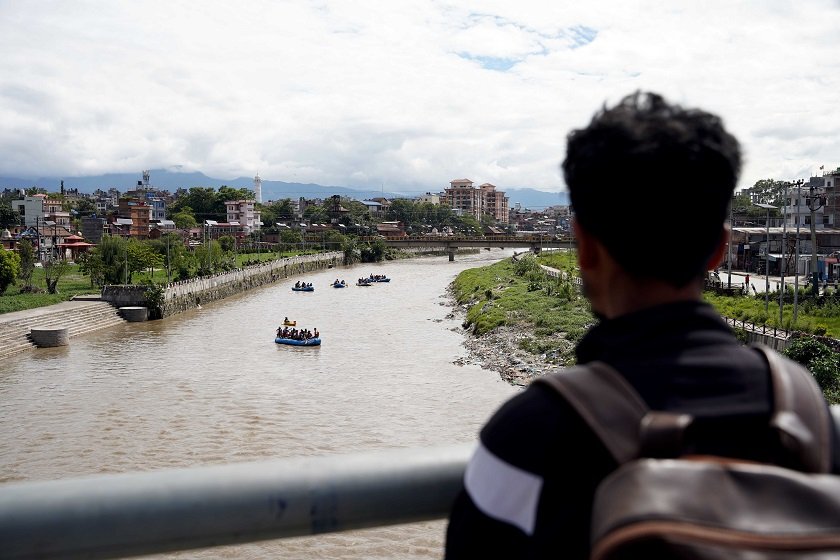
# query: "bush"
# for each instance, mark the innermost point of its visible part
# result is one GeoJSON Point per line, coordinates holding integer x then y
{"type": "Point", "coordinates": [9, 268]}
{"type": "Point", "coordinates": [526, 265]}
{"type": "Point", "coordinates": [822, 361]}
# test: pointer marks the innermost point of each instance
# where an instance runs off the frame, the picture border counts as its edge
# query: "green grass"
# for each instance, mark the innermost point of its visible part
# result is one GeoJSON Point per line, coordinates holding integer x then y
{"type": "Point", "coordinates": [75, 283]}
{"type": "Point", "coordinates": [810, 318]}
{"type": "Point", "coordinates": [72, 283]}
{"type": "Point", "coordinates": [547, 309]}
{"type": "Point", "coordinates": [496, 296]}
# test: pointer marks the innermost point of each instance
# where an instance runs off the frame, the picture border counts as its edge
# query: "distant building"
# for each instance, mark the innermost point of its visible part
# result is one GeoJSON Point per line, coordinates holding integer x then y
{"type": "Point", "coordinates": [139, 212]}
{"type": "Point", "coordinates": [391, 229]}
{"type": "Point", "coordinates": [93, 228]}
{"type": "Point", "coordinates": [31, 209]}
{"type": "Point", "coordinates": [53, 210]}
{"type": "Point", "coordinates": [374, 208]}
{"type": "Point", "coordinates": [430, 198]}
{"type": "Point", "coordinates": [243, 212]}
{"type": "Point", "coordinates": [464, 197]}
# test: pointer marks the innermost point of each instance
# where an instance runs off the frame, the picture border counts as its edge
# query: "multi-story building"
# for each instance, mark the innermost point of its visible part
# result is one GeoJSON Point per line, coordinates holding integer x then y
{"type": "Point", "coordinates": [464, 198]}
{"type": "Point", "coordinates": [105, 200]}
{"type": "Point", "coordinates": [243, 212]}
{"type": "Point", "coordinates": [32, 209]}
{"type": "Point", "coordinates": [811, 201]}
{"type": "Point", "coordinates": [93, 228]}
{"type": "Point", "coordinates": [832, 202]}
{"type": "Point", "coordinates": [495, 203]}
{"type": "Point", "coordinates": [53, 208]}
{"type": "Point", "coordinates": [139, 212]}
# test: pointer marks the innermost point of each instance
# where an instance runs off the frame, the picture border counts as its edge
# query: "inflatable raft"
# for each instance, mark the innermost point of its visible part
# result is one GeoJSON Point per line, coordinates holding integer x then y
{"type": "Point", "coordinates": [296, 342]}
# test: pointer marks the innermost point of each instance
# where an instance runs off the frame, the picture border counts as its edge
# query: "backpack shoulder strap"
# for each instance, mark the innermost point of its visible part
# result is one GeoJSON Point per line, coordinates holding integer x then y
{"type": "Point", "coordinates": [606, 402]}
{"type": "Point", "coordinates": [800, 414]}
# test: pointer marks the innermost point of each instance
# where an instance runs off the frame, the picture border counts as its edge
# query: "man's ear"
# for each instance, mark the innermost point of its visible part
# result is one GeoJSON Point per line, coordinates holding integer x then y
{"type": "Point", "coordinates": [587, 252]}
{"type": "Point", "coordinates": [720, 250]}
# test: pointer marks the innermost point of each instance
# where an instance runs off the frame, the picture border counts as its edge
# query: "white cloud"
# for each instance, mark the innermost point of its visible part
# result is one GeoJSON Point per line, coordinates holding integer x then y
{"type": "Point", "coordinates": [370, 93]}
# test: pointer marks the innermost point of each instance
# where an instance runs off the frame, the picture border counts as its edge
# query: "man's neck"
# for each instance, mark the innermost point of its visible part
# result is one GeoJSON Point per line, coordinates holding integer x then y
{"type": "Point", "coordinates": [627, 295]}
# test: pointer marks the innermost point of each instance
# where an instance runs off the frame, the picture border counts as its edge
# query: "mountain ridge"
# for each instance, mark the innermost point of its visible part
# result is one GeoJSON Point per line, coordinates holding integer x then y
{"type": "Point", "coordinates": [526, 197]}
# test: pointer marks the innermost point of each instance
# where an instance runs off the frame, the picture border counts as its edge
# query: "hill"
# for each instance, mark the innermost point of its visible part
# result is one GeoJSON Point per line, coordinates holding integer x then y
{"type": "Point", "coordinates": [531, 199]}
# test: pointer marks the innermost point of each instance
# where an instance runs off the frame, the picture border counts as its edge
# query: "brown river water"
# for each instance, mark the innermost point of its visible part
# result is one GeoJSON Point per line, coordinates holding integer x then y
{"type": "Point", "coordinates": [210, 386]}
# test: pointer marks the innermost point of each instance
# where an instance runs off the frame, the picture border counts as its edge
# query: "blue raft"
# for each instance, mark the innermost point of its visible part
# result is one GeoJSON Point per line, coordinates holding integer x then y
{"type": "Point", "coordinates": [296, 342]}
{"type": "Point", "coordinates": [304, 289]}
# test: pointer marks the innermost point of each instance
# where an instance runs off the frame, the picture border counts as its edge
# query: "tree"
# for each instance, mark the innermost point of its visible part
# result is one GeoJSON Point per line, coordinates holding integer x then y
{"type": "Point", "coordinates": [83, 207]}
{"type": "Point", "coordinates": [142, 257]}
{"type": "Point", "coordinates": [290, 236]}
{"type": "Point", "coordinates": [203, 202]}
{"type": "Point", "coordinates": [402, 210]}
{"type": "Point", "coordinates": [316, 213]}
{"type": "Point", "coordinates": [112, 258]}
{"type": "Point", "coordinates": [209, 258]}
{"type": "Point", "coordinates": [767, 191]}
{"type": "Point", "coordinates": [229, 193]}
{"type": "Point", "coordinates": [280, 211]}
{"type": "Point", "coordinates": [373, 252]}
{"type": "Point", "coordinates": [821, 360]}
{"type": "Point", "coordinates": [184, 219]}
{"type": "Point", "coordinates": [26, 252]}
{"type": "Point", "coordinates": [91, 264]}
{"type": "Point", "coordinates": [468, 224]}
{"type": "Point", "coordinates": [228, 243]}
{"type": "Point", "coordinates": [8, 217]}
{"type": "Point", "coordinates": [9, 269]}
{"type": "Point", "coordinates": [54, 269]}
{"type": "Point", "coordinates": [171, 249]}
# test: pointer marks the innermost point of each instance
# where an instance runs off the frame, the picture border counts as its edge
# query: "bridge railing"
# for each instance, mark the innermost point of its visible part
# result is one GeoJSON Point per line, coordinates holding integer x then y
{"type": "Point", "coordinates": [112, 516]}
{"type": "Point", "coordinates": [490, 239]}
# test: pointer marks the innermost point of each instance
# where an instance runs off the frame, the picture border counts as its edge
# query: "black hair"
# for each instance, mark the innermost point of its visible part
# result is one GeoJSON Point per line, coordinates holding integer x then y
{"type": "Point", "coordinates": [653, 182]}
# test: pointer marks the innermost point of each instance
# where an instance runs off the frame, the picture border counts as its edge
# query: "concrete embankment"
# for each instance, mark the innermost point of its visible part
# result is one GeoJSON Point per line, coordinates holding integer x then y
{"type": "Point", "coordinates": [189, 294]}
{"type": "Point", "coordinates": [99, 312]}
{"type": "Point", "coordinates": [79, 317]}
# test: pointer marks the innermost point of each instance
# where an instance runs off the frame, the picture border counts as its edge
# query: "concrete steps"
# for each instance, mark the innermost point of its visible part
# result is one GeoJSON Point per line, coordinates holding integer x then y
{"type": "Point", "coordinates": [80, 318]}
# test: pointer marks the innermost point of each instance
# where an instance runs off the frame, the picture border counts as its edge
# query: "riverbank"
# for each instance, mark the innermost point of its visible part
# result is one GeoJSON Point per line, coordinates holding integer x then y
{"type": "Point", "coordinates": [500, 350]}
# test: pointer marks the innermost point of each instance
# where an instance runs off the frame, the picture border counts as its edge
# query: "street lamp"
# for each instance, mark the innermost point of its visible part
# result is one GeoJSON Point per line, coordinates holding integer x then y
{"type": "Point", "coordinates": [768, 207]}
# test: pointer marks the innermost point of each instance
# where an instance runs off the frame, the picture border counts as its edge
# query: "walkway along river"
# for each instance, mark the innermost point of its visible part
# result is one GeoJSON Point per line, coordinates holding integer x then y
{"type": "Point", "coordinates": [209, 386]}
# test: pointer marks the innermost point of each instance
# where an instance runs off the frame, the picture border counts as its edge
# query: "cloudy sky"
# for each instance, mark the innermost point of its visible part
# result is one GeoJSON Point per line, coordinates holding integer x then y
{"type": "Point", "coordinates": [401, 94]}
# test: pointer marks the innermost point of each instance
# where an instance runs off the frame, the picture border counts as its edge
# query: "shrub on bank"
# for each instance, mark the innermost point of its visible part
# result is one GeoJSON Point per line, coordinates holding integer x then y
{"type": "Point", "coordinates": [501, 295]}
{"type": "Point", "coordinates": [823, 361]}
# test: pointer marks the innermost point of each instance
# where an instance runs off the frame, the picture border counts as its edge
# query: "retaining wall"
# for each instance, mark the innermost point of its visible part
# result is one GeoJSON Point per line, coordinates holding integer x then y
{"type": "Point", "coordinates": [189, 294]}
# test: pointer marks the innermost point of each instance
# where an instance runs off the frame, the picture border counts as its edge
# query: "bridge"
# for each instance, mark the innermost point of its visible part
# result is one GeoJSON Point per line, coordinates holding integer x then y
{"type": "Point", "coordinates": [534, 243]}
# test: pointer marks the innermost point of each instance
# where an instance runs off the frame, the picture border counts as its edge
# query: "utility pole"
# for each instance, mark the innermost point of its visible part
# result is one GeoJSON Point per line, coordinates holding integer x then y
{"type": "Point", "coordinates": [767, 207]}
{"type": "Point", "coordinates": [728, 248]}
{"type": "Point", "coordinates": [814, 204]}
{"type": "Point", "coordinates": [782, 262]}
{"type": "Point", "coordinates": [796, 261]}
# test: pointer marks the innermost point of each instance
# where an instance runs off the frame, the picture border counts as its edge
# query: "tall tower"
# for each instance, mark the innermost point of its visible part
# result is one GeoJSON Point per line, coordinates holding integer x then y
{"type": "Point", "coordinates": [146, 176]}
{"type": "Point", "coordinates": [258, 188]}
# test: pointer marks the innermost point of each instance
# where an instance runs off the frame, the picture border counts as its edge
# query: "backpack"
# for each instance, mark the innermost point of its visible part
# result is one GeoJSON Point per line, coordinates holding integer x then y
{"type": "Point", "coordinates": [660, 503]}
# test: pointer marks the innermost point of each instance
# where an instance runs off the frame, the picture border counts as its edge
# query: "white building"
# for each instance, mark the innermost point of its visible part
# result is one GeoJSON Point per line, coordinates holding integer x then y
{"type": "Point", "coordinates": [244, 213]}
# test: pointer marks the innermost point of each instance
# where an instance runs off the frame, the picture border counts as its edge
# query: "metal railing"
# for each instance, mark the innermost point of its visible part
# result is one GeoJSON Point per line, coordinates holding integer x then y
{"type": "Point", "coordinates": [112, 516]}
{"type": "Point", "coordinates": [775, 331]}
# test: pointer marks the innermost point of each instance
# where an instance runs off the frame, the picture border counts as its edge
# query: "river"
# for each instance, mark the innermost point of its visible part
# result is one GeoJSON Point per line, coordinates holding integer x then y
{"type": "Point", "coordinates": [210, 386]}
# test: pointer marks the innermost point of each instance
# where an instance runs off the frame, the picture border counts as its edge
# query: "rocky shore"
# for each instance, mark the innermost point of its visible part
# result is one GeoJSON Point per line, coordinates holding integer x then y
{"type": "Point", "coordinates": [499, 350]}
